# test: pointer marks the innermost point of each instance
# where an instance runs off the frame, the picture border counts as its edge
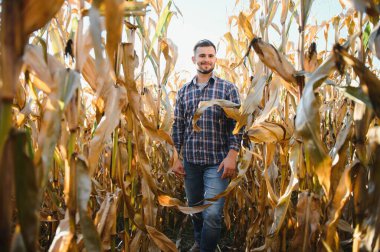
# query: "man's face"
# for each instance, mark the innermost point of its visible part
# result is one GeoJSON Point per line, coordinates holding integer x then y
{"type": "Point", "coordinates": [205, 59]}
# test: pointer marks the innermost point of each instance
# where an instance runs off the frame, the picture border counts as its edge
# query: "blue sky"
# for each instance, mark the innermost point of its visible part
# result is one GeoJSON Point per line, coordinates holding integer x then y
{"type": "Point", "coordinates": [209, 19]}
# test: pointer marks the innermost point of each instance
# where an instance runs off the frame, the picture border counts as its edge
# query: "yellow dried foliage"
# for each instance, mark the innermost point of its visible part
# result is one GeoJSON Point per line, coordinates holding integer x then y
{"type": "Point", "coordinates": [97, 141]}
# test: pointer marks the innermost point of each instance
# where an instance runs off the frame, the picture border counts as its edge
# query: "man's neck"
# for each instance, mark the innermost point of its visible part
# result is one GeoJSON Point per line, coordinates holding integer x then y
{"type": "Point", "coordinates": [203, 78]}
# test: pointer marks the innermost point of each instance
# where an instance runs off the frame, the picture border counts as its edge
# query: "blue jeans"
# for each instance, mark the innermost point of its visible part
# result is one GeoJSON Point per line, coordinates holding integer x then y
{"type": "Point", "coordinates": [203, 181]}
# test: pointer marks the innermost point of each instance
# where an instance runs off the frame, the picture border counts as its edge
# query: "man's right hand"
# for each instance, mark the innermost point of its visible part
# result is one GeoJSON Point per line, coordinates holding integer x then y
{"type": "Point", "coordinates": [178, 168]}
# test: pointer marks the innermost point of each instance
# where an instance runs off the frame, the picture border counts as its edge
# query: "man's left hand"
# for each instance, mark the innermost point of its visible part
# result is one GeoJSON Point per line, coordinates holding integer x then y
{"type": "Point", "coordinates": [229, 165]}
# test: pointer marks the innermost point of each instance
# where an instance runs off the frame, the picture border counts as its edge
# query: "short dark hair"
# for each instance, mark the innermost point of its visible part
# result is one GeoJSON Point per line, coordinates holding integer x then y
{"type": "Point", "coordinates": [203, 43]}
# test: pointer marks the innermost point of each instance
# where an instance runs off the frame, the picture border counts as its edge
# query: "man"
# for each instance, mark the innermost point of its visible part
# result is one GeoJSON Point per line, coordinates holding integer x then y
{"type": "Point", "coordinates": [209, 156]}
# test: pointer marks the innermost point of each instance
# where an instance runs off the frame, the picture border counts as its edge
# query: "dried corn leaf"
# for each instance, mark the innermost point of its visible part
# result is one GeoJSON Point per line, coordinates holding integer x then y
{"type": "Point", "coordinates": [367, 201]}
{"type": "Point", "coordinates": [368, 6]}
{"type": "Point", "coordinates": [70, 188]}
{"type": "Point", "coordinates": [246, 26]}
{"type": "Point", "coordinates": [168, 201]}
{"type": "Point", "coordinates": [163, 242]}
{"type": "Point", "coordinates": [83, 45]}
{"type": "Point", "coordinates": [305, 10]}
{"type": "Point", "coordinates": [57, 39]}
{"type": "Point", "coordinates": [233, 45]}
{"type": "Point", "coordinates": [270, 150]}
{"type": "Point", "coordinates": [272, 9]}
{"type": "Point", "coordinates": [148, 204]}
{"type": "Point", "coordinates": [269, 132]}
{"type": "Point", "coordinates": [12, 42]}
{"type": "Point", "coordinates": [307, 125]}
{"type": "Point", "coordinates": [66, 82]}
{"type": "Point", "coordinates": [369, 81]}
{"type": "Point", "coordinates": [274, 60]}
{"type": "Point", "coordinates": [281, 209]}
{"type": "Point", "coordinates": [134, 97]}
{"type": "Point", "coordinates": [114, 104]}
{"type": "Point", "coordinates": [63, 236]}
{"type": "Point", "coordinates": [284, 10]}
{"type": "Point", "coordinates": [149, 103]}
{"type": "Point", "coordinates": [35, 61]}
{"type": "Point", "coordinates": [109, 227]}
{"type": "Point", "coordinates": [167, 120]}
{"type": "Point", "coordinates": [144, 166]}
{"type": "Point", "coordinates": [90, 234]}
{"type": "Point", "coordinates": [114, 15]}
{"type": "Point", "coordinates": [339, 152]}
{"type": "Point", "coordinates": [134, 5]}
{"type": "Point", "coordinates": [89, 73]}
{"type": "Point", "coordinates": [273, 102]}
{"type": "Point", "coordinates": [38, 12]}
{"type": "Point", "coordinates": [339, 200]}
{"type": "Point", "coordinates": [251, 103]}
{"type": "Point", "coordinates": [19, 20]}
{"type": "Point", "coordinates": [135, 244]}
{"type": "Point", "coordinates": [308, 215]}
{"type": "Point", "coordinates": [311, 58]}
{"type": "Point", "coordinates": [203, 105]}
{"type": "Point", "coordinates": [105, 77]}
{"type": "Point", "coordinates": [170, 52]}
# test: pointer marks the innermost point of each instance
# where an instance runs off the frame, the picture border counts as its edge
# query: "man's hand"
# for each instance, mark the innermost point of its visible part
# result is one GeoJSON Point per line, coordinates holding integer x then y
{"type": "Point", "coordinates": [178, 168]}
{"type": "Point", "coordinates": [229, 164]}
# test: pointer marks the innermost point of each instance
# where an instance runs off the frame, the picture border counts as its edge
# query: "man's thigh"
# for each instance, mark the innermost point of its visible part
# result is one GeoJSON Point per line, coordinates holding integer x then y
{"type": "Point", "coordinates": [213, 183]}
{"type": "Point", "coordinates": [194, 183]}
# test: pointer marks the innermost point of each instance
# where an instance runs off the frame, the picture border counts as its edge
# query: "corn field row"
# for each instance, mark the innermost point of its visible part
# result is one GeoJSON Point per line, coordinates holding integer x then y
{"type": "Point", "coordinates": [85, 143]}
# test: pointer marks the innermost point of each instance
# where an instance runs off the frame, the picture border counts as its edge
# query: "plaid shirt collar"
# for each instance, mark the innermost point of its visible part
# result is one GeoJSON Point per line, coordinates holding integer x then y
{"type": "Point", "coordinates": [194, 80]}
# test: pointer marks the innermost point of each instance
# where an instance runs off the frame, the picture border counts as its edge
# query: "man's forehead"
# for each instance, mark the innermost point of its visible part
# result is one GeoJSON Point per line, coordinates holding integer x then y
{"type": "Point", "coordinates": [205, 50]}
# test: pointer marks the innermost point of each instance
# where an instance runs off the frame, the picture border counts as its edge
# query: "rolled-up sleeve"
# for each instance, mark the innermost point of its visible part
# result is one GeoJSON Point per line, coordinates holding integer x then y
{"type": "Point", "coordinates": [234, 140]}
{"type": "Point", "coordinates": [178, 128]}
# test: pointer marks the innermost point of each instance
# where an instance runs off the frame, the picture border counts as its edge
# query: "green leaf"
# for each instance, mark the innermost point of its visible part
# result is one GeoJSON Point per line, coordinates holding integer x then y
{"type": "Point", "coordinates": [27, 193]}
{"type": "Point", "coordinates": [6, 185]}
{"type": "Point", "coordinates": [366, 34]}
{"type": "Point", "coordinates": [5, 123]}
{"type": "Point", "coordinates": [161, 27]}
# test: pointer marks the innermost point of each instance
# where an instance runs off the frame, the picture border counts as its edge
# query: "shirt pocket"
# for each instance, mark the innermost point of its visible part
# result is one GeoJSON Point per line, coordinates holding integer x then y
{"type": "Point", "coordinates": [216, 115]}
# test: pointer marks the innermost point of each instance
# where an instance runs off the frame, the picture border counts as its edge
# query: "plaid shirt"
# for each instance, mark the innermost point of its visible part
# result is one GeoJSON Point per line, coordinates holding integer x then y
{"type": "Point", "coordinates": [211, 145]}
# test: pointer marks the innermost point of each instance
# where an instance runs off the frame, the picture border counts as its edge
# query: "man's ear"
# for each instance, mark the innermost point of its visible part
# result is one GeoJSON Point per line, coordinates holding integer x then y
{"type": "Point", "coordinates": [193, 59]}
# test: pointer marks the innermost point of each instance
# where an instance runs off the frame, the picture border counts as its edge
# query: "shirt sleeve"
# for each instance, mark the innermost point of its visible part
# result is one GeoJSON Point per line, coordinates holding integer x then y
{"type": "Point", "coordinates": [178, 128]}
{"type": "Point", "coordinates": [234, 140]}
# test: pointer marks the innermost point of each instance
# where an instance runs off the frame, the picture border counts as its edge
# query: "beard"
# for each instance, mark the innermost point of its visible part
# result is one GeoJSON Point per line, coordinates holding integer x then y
{"type": "Point", "coordinates": [205, 71]}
